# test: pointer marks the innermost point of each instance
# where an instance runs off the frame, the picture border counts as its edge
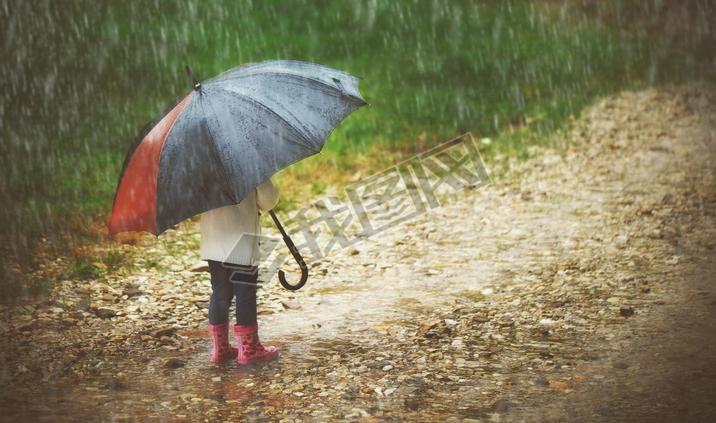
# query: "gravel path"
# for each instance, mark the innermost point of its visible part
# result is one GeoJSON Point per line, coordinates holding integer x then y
{"type": "Point", "coordinates": [579, 287]}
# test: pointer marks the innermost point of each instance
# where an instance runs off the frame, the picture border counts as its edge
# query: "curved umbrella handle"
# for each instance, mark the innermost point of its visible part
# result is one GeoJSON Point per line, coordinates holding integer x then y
{"type": "Point", "coordinates": [296, 255]}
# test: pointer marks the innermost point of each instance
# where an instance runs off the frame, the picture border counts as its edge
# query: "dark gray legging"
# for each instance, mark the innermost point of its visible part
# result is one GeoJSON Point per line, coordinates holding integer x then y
{"type": "Point", "coordinates": [229, 281]}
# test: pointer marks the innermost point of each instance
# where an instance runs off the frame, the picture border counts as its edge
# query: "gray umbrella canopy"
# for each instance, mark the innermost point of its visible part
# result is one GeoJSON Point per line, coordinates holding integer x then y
{"type": "Point", "coordinates": [227, 136]}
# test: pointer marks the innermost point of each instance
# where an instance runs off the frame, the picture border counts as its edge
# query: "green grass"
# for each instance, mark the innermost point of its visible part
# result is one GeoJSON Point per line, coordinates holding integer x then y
{"type": "Point", "coordinates": [83, 266]}
{"type": "Point", "coordinates": [82, 78]}
{"type": "Point", "coordinates": [81, 269]}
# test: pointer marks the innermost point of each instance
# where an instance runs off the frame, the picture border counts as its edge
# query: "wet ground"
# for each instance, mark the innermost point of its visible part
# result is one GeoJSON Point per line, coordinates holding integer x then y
{"type": "Point", "coordinates": [579, 287]}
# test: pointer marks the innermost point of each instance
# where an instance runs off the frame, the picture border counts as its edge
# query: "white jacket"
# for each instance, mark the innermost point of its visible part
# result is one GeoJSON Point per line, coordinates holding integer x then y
{"type": "Point", "coordinates": [222, 228]}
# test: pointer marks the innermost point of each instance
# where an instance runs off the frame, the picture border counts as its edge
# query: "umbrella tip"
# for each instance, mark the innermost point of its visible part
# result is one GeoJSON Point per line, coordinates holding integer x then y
{"type": "Point", "coordinates": [195, 84]}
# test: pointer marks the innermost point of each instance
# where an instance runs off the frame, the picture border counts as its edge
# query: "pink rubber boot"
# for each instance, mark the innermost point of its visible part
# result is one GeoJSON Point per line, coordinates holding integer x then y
{"type": "Point", "coordinates": [249, 346]}
{"type": "Point", "coordinates": [221, 349]}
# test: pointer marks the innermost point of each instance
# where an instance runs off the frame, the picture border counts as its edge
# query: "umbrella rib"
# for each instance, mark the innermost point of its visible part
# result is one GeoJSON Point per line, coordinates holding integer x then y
{"type": "Point", "coordinates": [301, 131]}
{"type": "Point", "coordinates": [224, 76]}
{"type": "Point", "coordinates": [300, 77]}
{"type": "Point", "coordinates": [217, 156]}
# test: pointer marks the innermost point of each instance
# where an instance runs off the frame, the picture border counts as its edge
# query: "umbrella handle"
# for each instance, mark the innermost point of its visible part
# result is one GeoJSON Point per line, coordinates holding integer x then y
{"type": "Point", "coordinates": [296, 255]}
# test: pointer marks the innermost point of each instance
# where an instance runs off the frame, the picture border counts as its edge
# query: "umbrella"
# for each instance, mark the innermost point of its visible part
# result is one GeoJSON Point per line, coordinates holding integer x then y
{"type": "Point", "coordinates": [227, 136]}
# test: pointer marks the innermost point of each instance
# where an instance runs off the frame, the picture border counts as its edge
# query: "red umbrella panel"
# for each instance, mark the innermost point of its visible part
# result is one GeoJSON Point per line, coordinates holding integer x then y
{"type": "Point", "coordinates": [135, 201]}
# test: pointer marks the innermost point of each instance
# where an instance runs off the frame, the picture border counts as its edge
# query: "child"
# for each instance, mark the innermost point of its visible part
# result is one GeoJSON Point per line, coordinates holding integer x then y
{"type": "Point", "coordinates": [229, 242]}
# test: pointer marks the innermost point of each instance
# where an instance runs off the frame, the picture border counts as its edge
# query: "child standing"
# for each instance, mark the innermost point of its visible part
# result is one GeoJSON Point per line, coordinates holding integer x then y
{"type": "Point", "coordinates": [229, 242]}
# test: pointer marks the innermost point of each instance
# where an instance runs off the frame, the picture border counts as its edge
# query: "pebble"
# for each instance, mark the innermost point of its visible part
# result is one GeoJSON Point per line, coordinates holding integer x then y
{"type": "Point", "coordinates": [164, 332]}
{"type": "Point", "coordinates": [626, 311]}
{"type": "Point", "coordinates": [105, 313]}
{"type": "Point", "coordinates": [174, 363]}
